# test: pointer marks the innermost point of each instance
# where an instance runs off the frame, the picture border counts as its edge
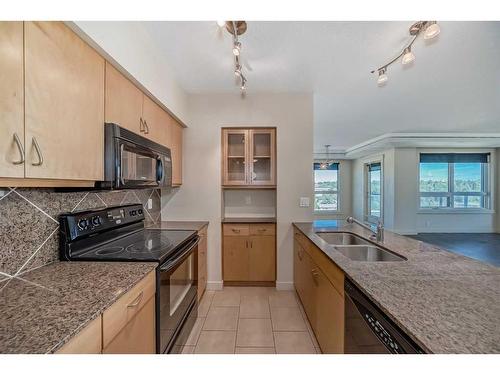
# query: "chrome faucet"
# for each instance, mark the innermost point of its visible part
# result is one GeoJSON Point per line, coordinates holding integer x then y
{"type": "Point", "coordinates": [377, 235]}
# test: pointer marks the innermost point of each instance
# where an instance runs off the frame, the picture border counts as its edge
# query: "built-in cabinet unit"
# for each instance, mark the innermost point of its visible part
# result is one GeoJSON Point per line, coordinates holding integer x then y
{"type": "Point", "coordinates": [126, 327]}
{"type": "Point", "coordinates": [202, 262]}
{"type": "Point", "coordinates": [320, 286]}
{"type": "Point", "coordinates": [249, 157]}
{"type": "Point", "coordinates": [249, 253]}
{"type": "Point", "coordinates": [56, 94]}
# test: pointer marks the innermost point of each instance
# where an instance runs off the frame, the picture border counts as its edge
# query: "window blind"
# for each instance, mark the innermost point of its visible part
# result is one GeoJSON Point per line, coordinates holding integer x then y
{"type": "Point", "coordinates": [455, 158]}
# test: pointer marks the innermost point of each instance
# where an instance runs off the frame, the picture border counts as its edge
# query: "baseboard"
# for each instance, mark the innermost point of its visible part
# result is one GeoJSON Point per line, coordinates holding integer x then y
{"type": "Point", "coordinates": [214, 285]}
{"type": "Point", "coordinates": [284, 285]}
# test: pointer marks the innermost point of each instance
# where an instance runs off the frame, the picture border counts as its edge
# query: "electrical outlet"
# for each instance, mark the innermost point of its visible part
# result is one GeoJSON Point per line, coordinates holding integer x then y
{"type": "Point", "coordinates": [304, 202]}
{"type": "Point", "coordinates": [248, 199]}
{"type": "Point", "coordinates": [150, 204]}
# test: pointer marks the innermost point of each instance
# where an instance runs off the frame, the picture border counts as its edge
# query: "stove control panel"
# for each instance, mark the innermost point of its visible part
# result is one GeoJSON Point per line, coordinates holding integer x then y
{"type": "Point", "coordinates": [85, 223]}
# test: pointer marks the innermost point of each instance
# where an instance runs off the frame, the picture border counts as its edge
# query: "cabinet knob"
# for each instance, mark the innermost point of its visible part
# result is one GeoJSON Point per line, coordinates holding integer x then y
{"type": "Point", "coordinates": [235, 230]}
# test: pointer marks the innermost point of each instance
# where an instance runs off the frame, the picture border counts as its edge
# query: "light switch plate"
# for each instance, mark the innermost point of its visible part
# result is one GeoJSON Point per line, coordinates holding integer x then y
{"type": "Point", "coordinates": [304, 202]}
{"type": "Point", "coordinates": [150, 204]}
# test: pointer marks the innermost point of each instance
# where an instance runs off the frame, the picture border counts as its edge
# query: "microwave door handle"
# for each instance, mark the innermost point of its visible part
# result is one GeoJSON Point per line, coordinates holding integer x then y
{"type": "Point", "coordinates": [161, 174]}
{"type": "Point", "coordinates": [172, 263]}
{"type": "Point", "coordinates": [120, 168]}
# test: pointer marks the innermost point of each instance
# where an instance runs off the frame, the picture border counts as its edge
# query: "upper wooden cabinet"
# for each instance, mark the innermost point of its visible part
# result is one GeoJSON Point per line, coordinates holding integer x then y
{"type": "Point", "coordinates": [64, 104]}
{"type": "Point", "coordinates": [11, 100]}
{"type": "Point", "coordinates": [176, 149]}
{"type": "Point", "coordinates": [249, 157]}
{"type": "Point", "coordinates": [124, 101]}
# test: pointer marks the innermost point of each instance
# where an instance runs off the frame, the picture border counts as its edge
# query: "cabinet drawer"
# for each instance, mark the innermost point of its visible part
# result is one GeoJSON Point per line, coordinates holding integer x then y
{"type": "Point", "coordinates": [123, 310]}
{"type": "Point", "coordinates": [87, 341]}
{"type": "Point", "coordinates": [262, 229]}
{"type": "Point", "coordinates": [236, 230]}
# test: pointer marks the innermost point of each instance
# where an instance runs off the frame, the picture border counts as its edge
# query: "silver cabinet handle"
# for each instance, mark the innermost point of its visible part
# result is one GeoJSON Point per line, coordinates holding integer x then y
{"type": "Point", "coordinates": [137, 300]}
{"type": "Point", "coordinates": [146, 127]}
{"type": "Point", "coordinates": [20, 148]}
{"type": "Point", "coordinates": [141, 125]}
{"type": "Point", "coordinates": [39, 153]}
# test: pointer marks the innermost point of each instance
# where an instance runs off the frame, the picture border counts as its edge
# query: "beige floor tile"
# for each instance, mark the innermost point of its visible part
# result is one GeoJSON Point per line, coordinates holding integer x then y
{"type": "Point", "coordinates": [205, 303]}
{"type": "Point", "coordinates": [283, 299]}
{"type": "Point", "coordinates": [255, 306]}
{"type": "Point", "coordinates": [287, 319]}
{"type": "Point", "coordinates": [221, 318]}
{"type": "Point", "coordinates": [188, 349]}
{"type": "Point", "coordinates": [255, 350]}
{"type": "Point", "coordinates": [226, 297]}
{"type": "Point", "coordinates": [216, 342]}
{"type": "Point", "coordinates": [195, 332]}
{"type": "Point", "coordinates": [255, 333]}
{"type": "Point", "coordinates": [293, 343]}
{"type": "Point", "coordinates": [256, 291]}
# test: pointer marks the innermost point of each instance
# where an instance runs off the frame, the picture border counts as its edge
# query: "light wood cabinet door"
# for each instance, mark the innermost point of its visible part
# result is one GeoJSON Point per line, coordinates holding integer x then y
{"type": "Point", "coordinates": [329, 315]}
{"type": "Point", "coordinates": [87, 341]}
{"type": "Point", "coordinates": [138, 335]}
{"type": "Point", "coordinates": [11, 100]}
{"type": "Point", "coordinates": [124, 101]}
{"type": "Point", "coordinates": [236, 258]}
{"type": "Point", "coordinates": [64, 104]}
{"type": "Point", "coordinates": [176, 151]}
{"type": "Point", "coordinates": [156, 122]}
{"type": "Point", "coordinates": [262, 158]}
{"type": "Point", "coordinates": [202, 265]}
{"type": "Point", "coordinates": [306, 291]}
{"type": "Point", "coordinates": [234, 157]}
{"type": "Point", "coordinates": [262, 258]}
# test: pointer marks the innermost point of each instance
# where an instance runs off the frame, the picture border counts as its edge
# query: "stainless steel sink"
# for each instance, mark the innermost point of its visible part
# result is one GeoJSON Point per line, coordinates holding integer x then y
{"type": "Point", "coordinates": [368, 253]}
{"type": "Point", "coordinates": [342, 238]}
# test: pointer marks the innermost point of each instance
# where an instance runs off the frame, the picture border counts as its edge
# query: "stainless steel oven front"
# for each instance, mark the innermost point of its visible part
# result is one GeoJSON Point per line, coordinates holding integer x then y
{"type": "Point", "coordinates": [177, 290]}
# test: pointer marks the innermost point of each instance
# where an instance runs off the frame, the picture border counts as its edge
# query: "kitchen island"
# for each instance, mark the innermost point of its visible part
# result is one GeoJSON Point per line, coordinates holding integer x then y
{"type": "Point", "coordinates": [445, 302]}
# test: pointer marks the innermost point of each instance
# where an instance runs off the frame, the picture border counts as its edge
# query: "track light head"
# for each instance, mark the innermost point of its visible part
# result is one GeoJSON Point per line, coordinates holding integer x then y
{"type": "Point", "coordinates": [382, 77]}
{"type": "Point", "coordinates": [432, 30]}
{"type": "Point", "coordinates": [236, 48]}
{"type": "Point", "coordinates": [237, 71]}
{"type": "Point", "coordinates": [408, 56]}
{"type": "Point", "coordinates": [221, 23]}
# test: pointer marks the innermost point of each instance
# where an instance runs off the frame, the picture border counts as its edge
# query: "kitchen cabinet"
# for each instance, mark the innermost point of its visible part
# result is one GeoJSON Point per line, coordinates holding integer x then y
{"type": "Point", "coordinates": [176, 150]}
{"type": "Point", "coordinates": [249, 253]}
{"type": "Point", "coordinates": [64, 104]}
{"type": "Point", "coordinates": [11, 100]}
{"type": "Point", "coordinates": [249, 157]}
{"type": "Point", "coordinates": [320, 284]}
{"type": "Point", "coordinates": [202, 262]}
{"type": "Point", "coordinates": [87, 341]}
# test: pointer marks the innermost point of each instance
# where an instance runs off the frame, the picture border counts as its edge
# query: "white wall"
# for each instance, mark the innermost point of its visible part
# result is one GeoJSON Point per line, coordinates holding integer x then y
{"type": "Point", "coordinates": [128, 43]}
{"type": "Point", "coordinates": [401, 207]}
{"type": "Point", "coordinates": [200, 195]}
{"type": "Point", "coordinates": [249, 203]}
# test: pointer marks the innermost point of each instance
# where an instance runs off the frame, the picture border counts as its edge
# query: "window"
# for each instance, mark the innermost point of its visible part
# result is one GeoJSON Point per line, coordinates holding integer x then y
{"type": "Point", "coordinates": [373, 192]}
{"type": "Point", "coordinates": [454, 181]}
{"type": "Point", "coordinates": [326, 187]}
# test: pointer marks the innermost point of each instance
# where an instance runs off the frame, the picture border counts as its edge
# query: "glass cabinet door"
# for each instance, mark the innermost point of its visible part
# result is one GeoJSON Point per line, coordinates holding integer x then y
{"type": "Point", "coordinates": [262, 157]}
{"type": "Point", "coordinates": [235, 157]}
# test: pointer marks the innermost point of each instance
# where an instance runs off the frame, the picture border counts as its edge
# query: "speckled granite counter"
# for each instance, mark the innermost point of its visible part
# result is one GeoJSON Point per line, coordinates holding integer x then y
{"type": "Point", "coordinates": [180, 225]}
{"type": "Point", "coordinates": [446, 302]}
{"type": "Point", "coordinates": [43, 309]}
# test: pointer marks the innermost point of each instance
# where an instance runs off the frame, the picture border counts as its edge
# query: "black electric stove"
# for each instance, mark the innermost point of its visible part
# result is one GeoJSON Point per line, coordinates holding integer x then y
{"type": "Point", "coordinates": [118, 234]}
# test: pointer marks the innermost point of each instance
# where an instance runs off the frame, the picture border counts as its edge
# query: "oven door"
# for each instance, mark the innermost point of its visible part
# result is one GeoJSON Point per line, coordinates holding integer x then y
{"type": "Point", "coordinates": [178, 279]}
{"type": "Point", "coordinates": [137, 166]}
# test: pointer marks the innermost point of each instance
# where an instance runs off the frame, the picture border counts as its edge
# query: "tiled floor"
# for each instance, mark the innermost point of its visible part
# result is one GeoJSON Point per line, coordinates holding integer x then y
{"type": "Point", "coordinates": [251, 320]}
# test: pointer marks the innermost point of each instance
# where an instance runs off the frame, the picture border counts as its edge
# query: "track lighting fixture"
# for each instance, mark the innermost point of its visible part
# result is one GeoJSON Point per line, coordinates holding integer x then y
{"type": "Point", "coordinates": [430, 29]}
{"type": "Point", "coordinates": [236, 28]}
{"type": "Point", "coordinates": [326, 163]}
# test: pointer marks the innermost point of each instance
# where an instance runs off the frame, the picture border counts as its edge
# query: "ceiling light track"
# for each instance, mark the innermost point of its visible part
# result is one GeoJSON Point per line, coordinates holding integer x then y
{"type": "Point", "coordinates": [236, 28]}
{"type": "Point", "coordinates": [430, 29]}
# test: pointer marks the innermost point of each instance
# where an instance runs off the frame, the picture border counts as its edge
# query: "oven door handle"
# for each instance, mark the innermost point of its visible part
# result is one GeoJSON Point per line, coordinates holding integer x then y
{"type": "Point", "coordinates": [173, 262]}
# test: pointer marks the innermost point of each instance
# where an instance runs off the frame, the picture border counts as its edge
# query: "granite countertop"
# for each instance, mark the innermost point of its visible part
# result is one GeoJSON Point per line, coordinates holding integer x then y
{"type": "Point", "coordinates": [180, 225]}
{"type": "Point", "coordinates": [43, 309]}
{"type": "Point", "coordinates": [249, 220]}
{"type": "Point", "coordinates": [446, 302]}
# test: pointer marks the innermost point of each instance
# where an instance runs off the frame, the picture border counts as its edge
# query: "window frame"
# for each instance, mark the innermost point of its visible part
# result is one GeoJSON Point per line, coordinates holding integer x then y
{"type": "Point", "coordinates": [485, 194]}
{"type": "Point", "coordinates": [337, 192]}
{"type": "Point", "coordinates": [366, 204]}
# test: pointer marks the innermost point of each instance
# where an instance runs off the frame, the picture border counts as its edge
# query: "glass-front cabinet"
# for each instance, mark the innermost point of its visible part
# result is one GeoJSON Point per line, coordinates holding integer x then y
{"type": "Point", "coordinates": [249, 157]}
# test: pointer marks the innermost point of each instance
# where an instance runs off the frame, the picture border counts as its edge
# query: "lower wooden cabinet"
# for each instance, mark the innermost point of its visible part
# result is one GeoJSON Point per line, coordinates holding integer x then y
{"type": "Point", "coordinates": [202, 262]}
{"type": "Point", "coordinates": [320, 288]}
{"type": "Point", "coordinates": [87, 341]}
{"type": "Point", "coordinates": [249, 253]}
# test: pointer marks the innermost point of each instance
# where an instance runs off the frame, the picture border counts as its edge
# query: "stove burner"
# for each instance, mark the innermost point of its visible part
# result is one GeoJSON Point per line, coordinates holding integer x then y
{"type": "Point", "coordinates": [147, 246]}
{"type": "Point", "coordinates": [110, 250]}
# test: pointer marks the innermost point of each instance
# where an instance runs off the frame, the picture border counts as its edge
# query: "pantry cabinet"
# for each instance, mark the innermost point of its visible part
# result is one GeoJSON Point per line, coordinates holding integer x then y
{"type": "Point", "coordinates": [249, 157]}
{"type": "Point", "coordinates": [249, 253]}
{"type": "Point", "coordinates": [11, 100]}
{"type": "Point", "coordinates": [320, 284]}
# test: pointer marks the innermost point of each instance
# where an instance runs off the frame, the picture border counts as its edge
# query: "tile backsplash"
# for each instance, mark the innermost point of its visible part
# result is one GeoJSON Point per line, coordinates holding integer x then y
{"type": "Point", "coordinates": [29, 228]}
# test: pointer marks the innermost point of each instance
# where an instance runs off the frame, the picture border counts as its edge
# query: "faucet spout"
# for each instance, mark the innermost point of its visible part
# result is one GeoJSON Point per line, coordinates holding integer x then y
{"type": "Point", "coordinates": [377, 235]}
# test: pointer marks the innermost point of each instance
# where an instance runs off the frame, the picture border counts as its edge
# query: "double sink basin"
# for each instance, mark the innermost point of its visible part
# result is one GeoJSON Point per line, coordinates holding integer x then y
{"type": "Point", "coordinates": [357, 248]}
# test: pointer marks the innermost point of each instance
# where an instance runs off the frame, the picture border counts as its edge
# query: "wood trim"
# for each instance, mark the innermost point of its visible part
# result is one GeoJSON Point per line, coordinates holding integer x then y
{"type": "Point", "coordinates": [87, 341]}
{"type": "Point", "coordinates": [39, 182]}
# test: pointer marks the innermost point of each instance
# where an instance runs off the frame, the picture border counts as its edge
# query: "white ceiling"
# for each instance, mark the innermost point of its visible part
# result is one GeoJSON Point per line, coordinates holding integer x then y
{"type": "Point", "coordinates": [453, 86]}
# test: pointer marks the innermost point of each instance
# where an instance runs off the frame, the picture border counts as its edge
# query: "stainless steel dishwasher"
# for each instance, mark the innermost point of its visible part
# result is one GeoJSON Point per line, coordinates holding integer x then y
{"type": "Point", "coordinates": [369, 331]}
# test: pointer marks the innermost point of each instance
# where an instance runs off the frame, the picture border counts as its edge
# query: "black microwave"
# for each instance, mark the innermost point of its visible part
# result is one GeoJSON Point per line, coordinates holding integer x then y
{"type": "Point", "coordinates": [133, 162]}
